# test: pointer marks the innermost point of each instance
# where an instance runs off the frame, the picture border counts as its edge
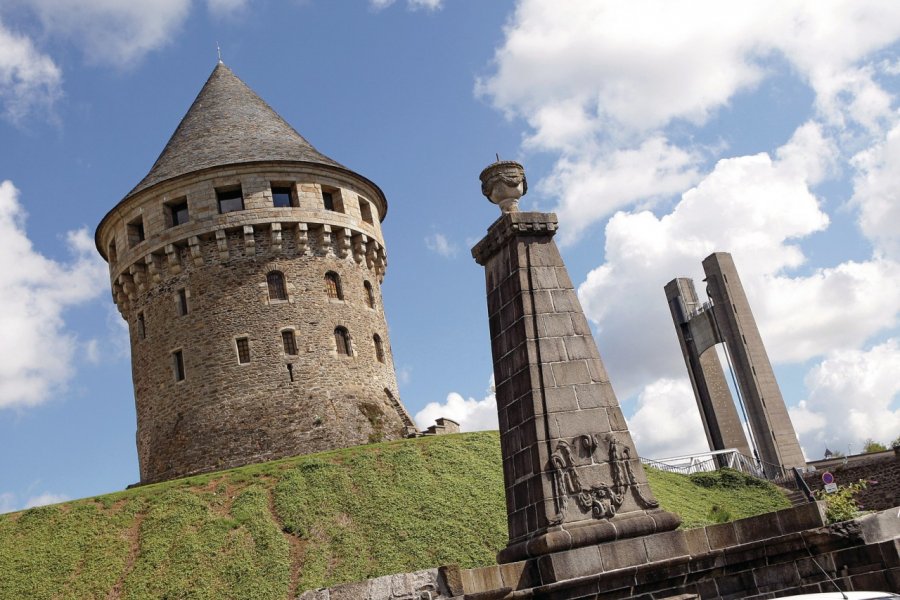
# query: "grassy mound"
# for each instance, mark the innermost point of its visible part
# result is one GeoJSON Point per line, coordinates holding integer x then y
{"type": "Point", "coordinates": [272, 530]}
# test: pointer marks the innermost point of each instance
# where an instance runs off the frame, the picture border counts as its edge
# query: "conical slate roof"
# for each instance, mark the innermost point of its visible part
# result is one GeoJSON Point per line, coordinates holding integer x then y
{"type": "Point", "coordinates": [228, 124]}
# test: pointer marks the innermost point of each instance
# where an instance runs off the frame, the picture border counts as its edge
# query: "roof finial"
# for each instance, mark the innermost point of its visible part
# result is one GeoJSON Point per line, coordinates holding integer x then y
{"type": "Point", "coordinates": [219, 52]}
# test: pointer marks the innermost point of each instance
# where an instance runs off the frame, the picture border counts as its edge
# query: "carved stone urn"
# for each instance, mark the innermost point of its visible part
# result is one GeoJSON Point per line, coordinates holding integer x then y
{"type": "Point", "coordinates": [503, 183]}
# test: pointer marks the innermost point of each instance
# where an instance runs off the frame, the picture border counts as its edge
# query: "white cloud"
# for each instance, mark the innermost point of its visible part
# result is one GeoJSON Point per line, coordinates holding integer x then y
{"type": "Point", "coordinates": [471, 414]}
{"type": "Point", "coordinates": [599, 82]}
{"type": "Point", "coordinates": [852, 395]}
{"type": "Point", "coordinates": [404, 375]}
{"type": "Point", "coordinates": [440, 243]}
{"type": "Point", "coordinates": [45, 499]}
{"type": "Point", "coordinates": [37, 356]}
{"type": "Point", "coordinates": [7, 502]}
{"type": "Point", "coordinates": [877, 193]}
{"type": "Point", "coordinates": [29, 81]}
{"type": "Point", "coordinates": [411, 4]}
{"type": "Point", "coordinates": [111, 31]}
{"type": "Point", "coordinates": [227, 8]}
{"type": "Point", "coordinates": [591, 186]}
{"type": "Point", "coordinates": [667, 422]}
{"type": "Point", "coordinates": [757, 209]}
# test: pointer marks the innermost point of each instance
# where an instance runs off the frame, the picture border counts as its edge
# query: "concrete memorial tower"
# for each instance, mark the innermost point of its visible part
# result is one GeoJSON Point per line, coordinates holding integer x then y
{"type": "Point", "coordinates": [571, 471]}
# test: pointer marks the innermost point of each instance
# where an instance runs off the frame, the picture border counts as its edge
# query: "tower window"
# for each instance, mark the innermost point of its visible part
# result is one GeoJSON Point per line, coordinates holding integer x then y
{"type": "Point", "coordinates": [177, 212]}
{"type": "Point", "coordinates": [243, 350]}
{"type": "Point", "coordinates": [282, 196]}
{"type": "Point", "coordinates": [178, 365]}
{"type": "Point", "coordinates": [333, 286]}
{"type": "Point", "coordinates": [370, 294]}
{"type": "Point", "coordinates": [136, 232]}
{"type": "Point", "coordinates": [342, 341]}
{"type": "Point", "coordinates": [331, 200]}
{"type": "Point", "coordinates": [230, 200]}
{"type": "Point", "coordinates": [365, 211]}
{"type": "Point", "coordinates": [141, 327]}
{"type": "Point", "coordinates": [277, 288]}
{"type": "Point", "coordinates": [289, 341]}
{"type": "Point", "coordinates": [112, 254]}
{"type": "Point", "coordinates": [379, 348]}
{"type": "Point", "coordinates": [182, 302]}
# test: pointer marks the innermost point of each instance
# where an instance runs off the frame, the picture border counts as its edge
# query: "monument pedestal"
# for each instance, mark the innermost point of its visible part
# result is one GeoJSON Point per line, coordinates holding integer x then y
{"type": "Point", "coordinates": [572, 475]}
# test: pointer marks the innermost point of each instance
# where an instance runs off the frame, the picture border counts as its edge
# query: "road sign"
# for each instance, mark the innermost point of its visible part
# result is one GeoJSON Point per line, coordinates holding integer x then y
{"type": "Point", "coordinates": [827, 478]}
{"type": "Point", "coordinates": [831, 488]}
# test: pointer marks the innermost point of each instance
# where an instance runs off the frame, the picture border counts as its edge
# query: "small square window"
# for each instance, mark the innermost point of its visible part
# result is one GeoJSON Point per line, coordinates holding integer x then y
{"type": "Point", "coordinates": [112, 254]}
{"type": "Point", "coordinates": [331, 200]}
{"type": "Point", "coordinates": [177, 212]}
{"type": "Point", "coordinates": [182, 302]}
{"type": "Point", "coordinates": [178, 365]}
{"type": "Point", "coordinates": [136, 232]}
{"type": "Point", "coordinates": [365, 211]}
{"type": "Point", "coordinates": [230, 200]}
{"type": "Point", "coordinates": [243, 350]}
{"type": "Point", "coordinates": [282, 196]}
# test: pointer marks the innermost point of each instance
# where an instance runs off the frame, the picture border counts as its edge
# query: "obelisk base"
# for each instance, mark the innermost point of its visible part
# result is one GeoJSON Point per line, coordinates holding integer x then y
{"type": "Point", "coordinates": [568, 537]}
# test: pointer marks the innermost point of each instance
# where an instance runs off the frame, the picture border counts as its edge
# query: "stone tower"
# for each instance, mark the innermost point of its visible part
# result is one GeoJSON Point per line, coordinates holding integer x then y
{"type": "Point", "coordinates": [248, 266]}
{"type": "Point", "coordinates": [727, 318]}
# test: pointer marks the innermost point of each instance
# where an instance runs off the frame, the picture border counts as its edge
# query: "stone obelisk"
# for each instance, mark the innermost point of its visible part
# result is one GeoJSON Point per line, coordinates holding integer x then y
{"type": "Point", "coordinates": [571, 471]}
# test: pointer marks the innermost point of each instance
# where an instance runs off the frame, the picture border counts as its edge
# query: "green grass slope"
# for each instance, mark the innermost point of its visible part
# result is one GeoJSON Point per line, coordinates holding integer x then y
{"type": "Point", "coordinates": [272, 530]}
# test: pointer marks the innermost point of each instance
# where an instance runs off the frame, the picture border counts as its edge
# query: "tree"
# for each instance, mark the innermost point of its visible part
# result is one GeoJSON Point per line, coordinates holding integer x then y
{"type": "Point", "coordinates": [871, 445]}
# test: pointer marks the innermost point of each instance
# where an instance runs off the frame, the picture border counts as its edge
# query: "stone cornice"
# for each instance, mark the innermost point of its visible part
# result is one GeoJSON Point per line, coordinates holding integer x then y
{"type": "Point", "coordinates": [510, 225]}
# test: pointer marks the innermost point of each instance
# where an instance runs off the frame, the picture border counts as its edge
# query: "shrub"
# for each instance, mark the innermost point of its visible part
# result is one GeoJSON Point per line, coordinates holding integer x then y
{"type": "Point", "coordinates": [840, 505]}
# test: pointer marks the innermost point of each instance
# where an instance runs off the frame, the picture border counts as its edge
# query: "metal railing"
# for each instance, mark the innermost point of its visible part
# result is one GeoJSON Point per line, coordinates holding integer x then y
{"type": "Point", "coordinates": [731, 458]}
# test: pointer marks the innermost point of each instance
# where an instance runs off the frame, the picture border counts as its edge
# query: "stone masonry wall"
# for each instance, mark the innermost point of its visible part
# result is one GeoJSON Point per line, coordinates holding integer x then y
{"type": "Point", "coordinates": [882, 475]}
{"type": "Point", "coordinates": [223, 413]}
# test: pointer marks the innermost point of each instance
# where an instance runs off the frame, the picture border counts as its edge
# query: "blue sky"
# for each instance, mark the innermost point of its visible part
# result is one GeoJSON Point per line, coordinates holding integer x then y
{"type": "Point", "coordinates": [659, 131]}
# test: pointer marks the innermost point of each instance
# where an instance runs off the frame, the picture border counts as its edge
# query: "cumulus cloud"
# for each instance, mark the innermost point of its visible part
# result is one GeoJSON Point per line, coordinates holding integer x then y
{"type": "Point", "coordinates": [114, 32]}
{"type": "Point", "coordinates": [441, 244]}
{"type": "Point", "coordinates": [852, 395]}
{"type": "Point", "coordinates": [38, 354]}
{"type": "Point", "coordinates": [599, 82]}
{"type": "Point", "coordinates": [667, 422]}
{"type": "Point", "coordinates": [29, 80]}
{"type": "Point", "coordinates": [757, 208]}
{"type": "Point", "coordinates": [877, 193]}
{"type": "Point", "coordinates": [471, 414]}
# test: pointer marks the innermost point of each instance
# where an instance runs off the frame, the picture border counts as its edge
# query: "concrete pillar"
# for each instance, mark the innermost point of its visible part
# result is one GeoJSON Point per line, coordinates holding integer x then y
{"type": "Point", "coordinates": [769, 420]}
{"type": "Point", "coordinates": [571, 471]}
{"type": "Point", "coordinates": [697, 336]}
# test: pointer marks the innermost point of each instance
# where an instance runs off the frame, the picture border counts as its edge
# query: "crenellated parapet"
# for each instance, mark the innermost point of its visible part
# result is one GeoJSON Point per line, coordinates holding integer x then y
{"type": "Point", "coordinates": [264, 240]}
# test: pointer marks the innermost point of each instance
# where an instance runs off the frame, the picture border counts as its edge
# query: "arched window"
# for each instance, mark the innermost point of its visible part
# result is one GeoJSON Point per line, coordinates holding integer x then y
{"type": "Point", "coordinates": [277, 289]}
{"type": "Point", "coordinates": [289, 341]}
{"type": "Point", "coordinates": [379, 348]}
{"type": "Point", "coordinates": [370, 294]}
{"type": "Point", "coordinates": [333, 286]}
{"type": "Point", "coordinates": [342, 341]}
